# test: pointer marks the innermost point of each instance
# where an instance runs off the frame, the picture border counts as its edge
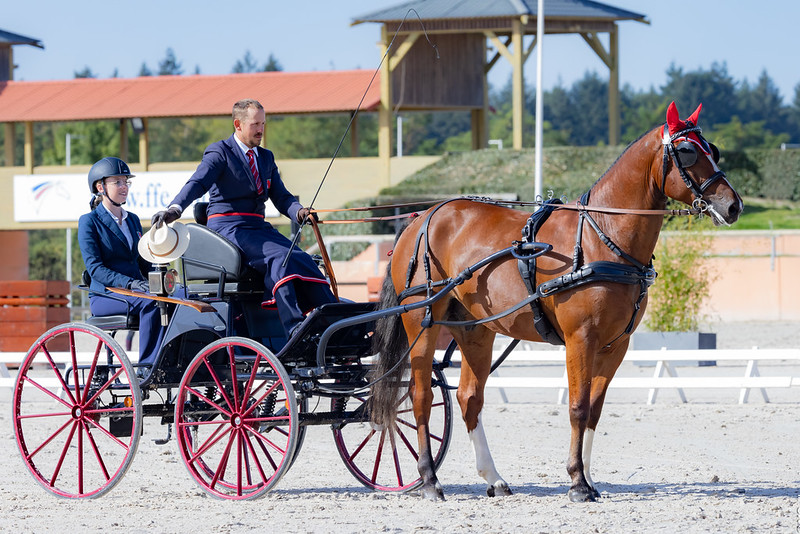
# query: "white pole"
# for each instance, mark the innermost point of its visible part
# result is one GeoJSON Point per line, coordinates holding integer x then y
{"type": "Point", "coordinates": [399, 136]}
{"type": "Point", "coordinates": [69, 267]}
{"type": "Point", "coordinates": [539, 99]}
{"type": "Point", "coordinates": [68, 149]}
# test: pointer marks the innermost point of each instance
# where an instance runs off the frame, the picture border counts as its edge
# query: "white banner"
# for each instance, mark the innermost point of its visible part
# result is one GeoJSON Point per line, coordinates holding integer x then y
{"type": "Point", "coordinates": [65, 197]}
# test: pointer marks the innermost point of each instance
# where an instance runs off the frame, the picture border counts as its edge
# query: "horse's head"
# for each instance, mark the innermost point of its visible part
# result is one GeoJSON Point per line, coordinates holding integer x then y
{"type": "Point", "coordinates": [690, 172]}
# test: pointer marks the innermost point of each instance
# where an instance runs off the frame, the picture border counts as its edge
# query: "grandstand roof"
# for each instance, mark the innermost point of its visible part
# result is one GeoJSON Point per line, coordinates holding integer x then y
{"type": "Point", "coordinates": [281, 93]}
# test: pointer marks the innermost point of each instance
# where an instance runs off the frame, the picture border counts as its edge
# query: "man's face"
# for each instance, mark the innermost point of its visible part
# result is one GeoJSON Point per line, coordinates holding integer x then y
{"type": "Point", "coordinates": [250, 130]}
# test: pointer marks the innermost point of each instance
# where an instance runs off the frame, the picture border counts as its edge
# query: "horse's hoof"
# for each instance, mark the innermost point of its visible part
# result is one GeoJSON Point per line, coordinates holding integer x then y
{"type": "Point", "coordinates": [595, 493]}
{"type": "Point", "coordinates": [433, 493]}
{"type": "Point", "coordinates": [582, 494]}
{"type": "Point", "coordinates": [499, 489]}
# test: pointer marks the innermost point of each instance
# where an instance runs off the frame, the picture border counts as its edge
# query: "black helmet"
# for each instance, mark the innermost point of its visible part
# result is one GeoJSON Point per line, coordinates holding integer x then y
{"type": "Point", "coordinates": [107, 167]}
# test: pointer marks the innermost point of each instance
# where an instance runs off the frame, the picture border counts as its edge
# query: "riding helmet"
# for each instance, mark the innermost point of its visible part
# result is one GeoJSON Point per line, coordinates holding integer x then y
{"type": "Point", "coordinates": [106, 167]}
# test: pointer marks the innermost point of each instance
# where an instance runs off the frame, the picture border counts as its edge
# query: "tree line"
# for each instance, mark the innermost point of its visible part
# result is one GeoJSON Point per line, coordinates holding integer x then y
{"type": "Point", "coordinates": [737, 115]}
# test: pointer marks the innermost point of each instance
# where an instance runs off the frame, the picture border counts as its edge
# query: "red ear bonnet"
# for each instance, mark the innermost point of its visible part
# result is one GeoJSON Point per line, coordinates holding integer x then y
{"type": "Point", "coordinates": [693, 116]}
{"type": "Point", "coordinates": [675, 124]}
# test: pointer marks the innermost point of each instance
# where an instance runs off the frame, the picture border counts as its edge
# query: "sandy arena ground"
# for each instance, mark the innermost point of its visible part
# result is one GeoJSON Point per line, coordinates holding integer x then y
{"type": "Point", "coordinates": [707, 466]}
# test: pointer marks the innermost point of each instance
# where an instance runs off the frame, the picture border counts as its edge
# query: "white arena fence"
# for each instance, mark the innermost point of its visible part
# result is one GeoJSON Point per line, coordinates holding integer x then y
{"type": "Point", "coordinates": [664, 376]}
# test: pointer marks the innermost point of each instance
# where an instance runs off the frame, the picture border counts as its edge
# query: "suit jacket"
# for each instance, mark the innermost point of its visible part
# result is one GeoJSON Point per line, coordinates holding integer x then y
{"type": "Point", "coordinates": [108, 258]}
{"type": "Point", "coordinates": [225, 174]}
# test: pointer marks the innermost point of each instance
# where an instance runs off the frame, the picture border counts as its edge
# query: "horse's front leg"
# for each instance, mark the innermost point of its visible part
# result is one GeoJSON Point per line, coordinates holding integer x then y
{"type": "Point", "coordinates": [579, 372]}
{"type": "Point", "coordinates": [605, 367]}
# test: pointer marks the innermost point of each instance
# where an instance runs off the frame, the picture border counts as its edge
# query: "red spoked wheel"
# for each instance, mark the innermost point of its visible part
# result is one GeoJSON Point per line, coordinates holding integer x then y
{"type": "Point", "coordinates": [236, 419]}
{"type": "Point", "coordinates": [385, 459]}
{"type": "Point", "coordinates": [77, 419]}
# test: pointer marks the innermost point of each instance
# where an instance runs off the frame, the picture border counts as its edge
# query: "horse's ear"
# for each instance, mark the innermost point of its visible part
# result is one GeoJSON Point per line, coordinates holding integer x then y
{"type": "Point", "coordinates": [674, 122]}
{"type": "Point", "coordinates": [693, 116]}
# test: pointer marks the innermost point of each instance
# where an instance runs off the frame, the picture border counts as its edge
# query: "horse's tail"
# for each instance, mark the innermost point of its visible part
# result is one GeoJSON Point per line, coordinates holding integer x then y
{"type": "Point", "coordinates": [391, 344]}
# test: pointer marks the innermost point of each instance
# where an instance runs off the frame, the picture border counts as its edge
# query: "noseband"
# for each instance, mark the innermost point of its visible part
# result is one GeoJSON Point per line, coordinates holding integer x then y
{"type": "Point", "coordinates": [685, 155]}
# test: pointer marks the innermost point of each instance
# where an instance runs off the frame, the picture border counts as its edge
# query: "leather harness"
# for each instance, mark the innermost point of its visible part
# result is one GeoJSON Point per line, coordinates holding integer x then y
{"type": "Point", "coordinates": [526, 252]}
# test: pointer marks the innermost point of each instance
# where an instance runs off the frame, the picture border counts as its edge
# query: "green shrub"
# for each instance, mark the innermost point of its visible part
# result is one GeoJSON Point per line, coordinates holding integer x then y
{"type": "Point", "coordinates": [674, 301]}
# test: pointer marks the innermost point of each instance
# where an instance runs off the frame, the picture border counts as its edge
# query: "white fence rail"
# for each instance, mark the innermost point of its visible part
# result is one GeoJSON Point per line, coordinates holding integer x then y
{"type": "Point", "coordinates": [665, 375]}
{"type": "Point", "coordinates": [10, 362]}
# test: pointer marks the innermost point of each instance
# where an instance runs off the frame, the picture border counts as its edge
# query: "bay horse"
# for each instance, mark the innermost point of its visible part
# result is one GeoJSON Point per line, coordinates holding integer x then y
{"type": "Point", "coordinates": [593, 314]}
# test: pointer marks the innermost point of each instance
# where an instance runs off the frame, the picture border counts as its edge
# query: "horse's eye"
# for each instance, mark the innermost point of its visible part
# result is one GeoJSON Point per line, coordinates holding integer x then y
{"type": "Point", "coordinates": [687, 154]}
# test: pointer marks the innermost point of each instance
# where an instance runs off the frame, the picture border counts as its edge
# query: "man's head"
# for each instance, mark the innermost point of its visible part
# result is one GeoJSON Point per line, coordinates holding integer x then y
{"type": "Point", "coordinates": [248, 121]}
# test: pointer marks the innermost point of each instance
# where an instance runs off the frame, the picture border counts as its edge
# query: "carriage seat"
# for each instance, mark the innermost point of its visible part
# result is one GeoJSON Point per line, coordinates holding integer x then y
{"type": "Point", "coordinates": [211, 258]}
{"type": "Point", "coordinates": [129, 321]}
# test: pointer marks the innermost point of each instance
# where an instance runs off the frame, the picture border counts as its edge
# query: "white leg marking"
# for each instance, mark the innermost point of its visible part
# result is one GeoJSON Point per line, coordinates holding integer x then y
{"type": "Point", "coordinates": [483, 458]}
{"type": "Point", "coordinates": [588, 438]}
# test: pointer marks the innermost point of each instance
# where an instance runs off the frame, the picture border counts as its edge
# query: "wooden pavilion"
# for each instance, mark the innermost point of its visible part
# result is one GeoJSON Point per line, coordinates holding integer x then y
{"type": "Point", "coordinates": [413, 79]}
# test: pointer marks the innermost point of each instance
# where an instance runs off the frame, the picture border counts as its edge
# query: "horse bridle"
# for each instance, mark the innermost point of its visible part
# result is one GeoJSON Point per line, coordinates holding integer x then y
{"type": "Point", "coordinates": [684, 156]}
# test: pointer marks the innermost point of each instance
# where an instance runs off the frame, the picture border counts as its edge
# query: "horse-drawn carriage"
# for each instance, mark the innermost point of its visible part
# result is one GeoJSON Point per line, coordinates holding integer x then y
{"type": "Point", "coordinates": [239, 395]}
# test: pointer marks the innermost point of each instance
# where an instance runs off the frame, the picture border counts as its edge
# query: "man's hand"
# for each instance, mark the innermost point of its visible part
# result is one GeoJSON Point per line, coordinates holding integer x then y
{"type": "Point", "coordinates": [166, 216]}
{"type": "Point", "coordinates": [304, 213]}
{"type": "Point", "coordinates": [140, 285]}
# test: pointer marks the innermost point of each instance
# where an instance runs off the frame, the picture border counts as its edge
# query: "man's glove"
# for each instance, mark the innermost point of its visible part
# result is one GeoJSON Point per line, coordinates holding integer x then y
{"type": "Point", "coordinates": [139, 285]}
{"type": "Point", "coordinates": [166, 216]}
{"type": "Point", "coordinates": [305, 213]}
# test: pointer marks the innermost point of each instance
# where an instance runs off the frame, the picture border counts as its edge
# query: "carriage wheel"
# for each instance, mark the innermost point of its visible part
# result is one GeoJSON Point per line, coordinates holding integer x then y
{"type": "Point", "coordinates": [386, 459]}
{"type": "Point", "coordinates": [236, 419]}
{"type": "Point", "coordinates": [76, 417]}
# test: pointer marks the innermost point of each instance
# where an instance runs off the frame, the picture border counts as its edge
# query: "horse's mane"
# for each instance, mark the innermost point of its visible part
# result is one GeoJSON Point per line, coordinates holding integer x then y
{"type": "Point", "coordinates": [620, 156]}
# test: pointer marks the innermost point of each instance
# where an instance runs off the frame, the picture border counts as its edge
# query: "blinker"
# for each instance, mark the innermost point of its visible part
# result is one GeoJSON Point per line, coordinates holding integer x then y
{"type": "Point", "coordinates": [687, 153]}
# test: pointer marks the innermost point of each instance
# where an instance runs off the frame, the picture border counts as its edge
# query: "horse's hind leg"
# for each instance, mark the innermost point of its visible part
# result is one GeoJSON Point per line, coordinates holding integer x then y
{"type": "Point", "coordinates": [476, 349]}
{"type": "Point", "coordinates": [421, 356]}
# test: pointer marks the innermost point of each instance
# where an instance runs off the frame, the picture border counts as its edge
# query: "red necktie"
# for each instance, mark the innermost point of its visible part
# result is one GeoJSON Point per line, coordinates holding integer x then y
{"type": "Point", "coordinates": [254, 170]}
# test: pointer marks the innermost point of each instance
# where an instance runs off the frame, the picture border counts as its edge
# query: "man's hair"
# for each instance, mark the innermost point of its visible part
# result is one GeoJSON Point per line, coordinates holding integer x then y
{"type": "Point", "coordinates": [240, 108]}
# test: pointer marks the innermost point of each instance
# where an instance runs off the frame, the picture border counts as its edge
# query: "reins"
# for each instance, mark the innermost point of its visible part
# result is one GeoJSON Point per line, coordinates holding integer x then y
{"type": "Point", "coordinates": [578, 206]}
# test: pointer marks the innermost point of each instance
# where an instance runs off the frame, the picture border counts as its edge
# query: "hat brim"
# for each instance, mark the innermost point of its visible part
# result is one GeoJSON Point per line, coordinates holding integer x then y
{"type": "Point", "coordinates": [181, 246]}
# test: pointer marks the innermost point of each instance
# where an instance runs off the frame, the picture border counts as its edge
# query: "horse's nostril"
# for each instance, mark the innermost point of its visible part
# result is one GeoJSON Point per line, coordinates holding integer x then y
{"type": "Point", "coordinates": [734, 210]}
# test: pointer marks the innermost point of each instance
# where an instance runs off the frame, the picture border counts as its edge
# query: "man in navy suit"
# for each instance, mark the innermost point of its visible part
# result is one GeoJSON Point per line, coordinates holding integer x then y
{"type": "Point", "coordinates": [240, 176]}
{"type": "Point", "coordinates": [108, 238]}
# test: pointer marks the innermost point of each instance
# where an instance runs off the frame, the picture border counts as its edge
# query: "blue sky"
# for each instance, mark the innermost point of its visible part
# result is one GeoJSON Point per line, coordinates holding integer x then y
{"type": "Point", "coordinates": [316, 35]}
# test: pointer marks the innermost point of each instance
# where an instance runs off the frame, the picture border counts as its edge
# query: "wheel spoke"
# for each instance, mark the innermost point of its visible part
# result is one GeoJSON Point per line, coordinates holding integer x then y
{"type": "Point", "coordinates": [57, 372]}
{"type": "Point", "coordinates": [212, 440]}
{"type": "Point", "coordinates": [63, 455]}
{"type": "Point", "coordinates": [234, 382]}
{"type": "Point", "coordinates": [407, 443]}
{"type": "Point", "coordinates": [219, 385]}
{"type": "Point", "coordinates": [397, 469]}
{"type": "Point", "coordinates": [48, 440]}
{"type": "Point", "coordinates": [92, 369]}
{"type": "Point", "coordinates": [97, 454]}
{"type": "Point", "coordinates": [254, 454]}
{"type": "Point", "coordinates": [378, 456]}
{"type": "Point", "coordinates": [209, 401]}
{"type": "Point", "coordinates": [252, 378]}
{"type": "Point", "coordinates": [264, 396]}
{"type": "Point", "coordinates": [102, 388]}
{"type": "Point", "coordinates": [109, 434]}
{"type": "Point", "coordinates": [223, 462]}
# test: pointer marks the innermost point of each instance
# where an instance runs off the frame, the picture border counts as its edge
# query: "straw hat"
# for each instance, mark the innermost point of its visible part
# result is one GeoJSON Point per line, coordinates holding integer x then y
{"type": "Point", "coordinates": [164, 243]}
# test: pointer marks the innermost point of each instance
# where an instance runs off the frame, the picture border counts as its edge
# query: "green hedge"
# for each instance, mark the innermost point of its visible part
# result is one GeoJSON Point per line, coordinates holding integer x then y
{"type": "Point", "coordinates": [569, 171]}
{"type": "Point", "coordinates": [773, 173]}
